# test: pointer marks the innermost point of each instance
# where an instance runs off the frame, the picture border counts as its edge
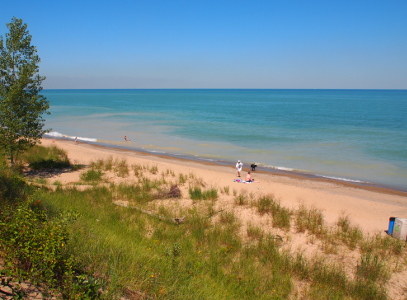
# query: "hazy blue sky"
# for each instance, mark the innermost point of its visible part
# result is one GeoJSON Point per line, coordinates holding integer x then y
{"type": "Point", "coordinates": [217, 44]}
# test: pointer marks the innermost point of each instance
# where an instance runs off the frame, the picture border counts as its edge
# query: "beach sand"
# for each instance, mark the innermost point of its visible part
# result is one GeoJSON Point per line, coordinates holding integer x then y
{"type": "Point", "coordinates": [368, 207]}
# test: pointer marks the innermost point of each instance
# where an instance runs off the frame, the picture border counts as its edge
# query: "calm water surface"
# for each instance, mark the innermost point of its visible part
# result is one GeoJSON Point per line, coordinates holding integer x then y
{"type": "Point", "coordinates": [354, 135]}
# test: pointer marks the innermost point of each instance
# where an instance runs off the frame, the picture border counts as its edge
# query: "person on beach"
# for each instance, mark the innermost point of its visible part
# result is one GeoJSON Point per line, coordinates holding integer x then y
{"type": "Point", "coordinates": [249, 178]}
{"type": "Point", "coordinates": [239, 167]}
{"type": "Point", "coordinates": [76, 140]}
{"type": "Point", "coordinates": [125, 139]}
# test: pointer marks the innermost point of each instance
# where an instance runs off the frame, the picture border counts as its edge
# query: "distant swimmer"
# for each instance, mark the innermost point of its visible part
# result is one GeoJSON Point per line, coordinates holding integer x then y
{"type": "Point", "coordinates": [126, 140]}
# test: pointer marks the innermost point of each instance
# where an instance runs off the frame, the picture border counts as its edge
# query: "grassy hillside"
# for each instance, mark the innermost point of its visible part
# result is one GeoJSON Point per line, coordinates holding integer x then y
{"type": "Point", "coordinates": [160, 235]}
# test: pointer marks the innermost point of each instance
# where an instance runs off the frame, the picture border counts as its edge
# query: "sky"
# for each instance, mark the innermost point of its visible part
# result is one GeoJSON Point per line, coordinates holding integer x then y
{"type": "Point", "coordinates": [303, 44]}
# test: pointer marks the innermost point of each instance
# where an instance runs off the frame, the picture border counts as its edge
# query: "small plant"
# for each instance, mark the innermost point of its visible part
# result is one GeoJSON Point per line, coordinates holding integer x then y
{"type": "Point", "coordinates": [330, 244]}
{"type": "Point", "coordinates": [226, 190]}
{"type": "Point", "coordinates": [88, 287]}
{"type": "Point", "coordinates": [77, 167]}
{"type": "Point", "coordinates": [311, 220]}
{"type": "Point", "coordinates": [98, 164]}
{"type": "Point", "coordinates": [138, 170]}
{"type": "Point", "coordinates": [254, 232]}
{"type": "Point", "coordinates": [41, 180]}
{"type": "Point", "coordinates": [108, 163]}
{"type": "Point", "coordinates": [241, 199]}
{"type": "Point", "coordinates": [281, 217]}
{"type": "Point", "coordinates": [182, 179]}
{"type": "Point", "coordinates": [154, 170]}
{"type": "Point", "coordinates": [91, 175]}
{"type": "Point", "coordinates": [227, 218]}
{"type": "Point", "coordinates": [168, 172]}
{"type": "Point", "coordinates": [174, 252]}
{"type": "Point", "coordinates": [372, 268]}
{"type": "Point", "coordinates": [196, 193]}
{"type": "Point", "coordinates": [384, 245]}
{"type": "Point", "coordinates": [121, 168]}
{"type": "Point", "coordinates": [265, 204]}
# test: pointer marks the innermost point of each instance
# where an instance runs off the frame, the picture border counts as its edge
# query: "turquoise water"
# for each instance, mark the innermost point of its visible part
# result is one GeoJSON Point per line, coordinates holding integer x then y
{"type": "Point", "coordinates": [352, 135]}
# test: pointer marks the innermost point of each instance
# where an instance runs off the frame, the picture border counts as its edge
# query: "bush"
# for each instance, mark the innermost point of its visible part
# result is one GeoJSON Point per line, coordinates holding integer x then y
{"type": "Point", "coordinates": [34, 244]}
{"type": "Point", "coordinates": [40, 157]}
{"type": "Point", "coordinates": [13, 188]}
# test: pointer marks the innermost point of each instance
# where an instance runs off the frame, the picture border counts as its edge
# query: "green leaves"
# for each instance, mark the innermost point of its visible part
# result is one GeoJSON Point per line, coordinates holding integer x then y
{"type": "Point", "coordinates": [21, 105]}
{"type": "Point", "coordinates": [35, 241]}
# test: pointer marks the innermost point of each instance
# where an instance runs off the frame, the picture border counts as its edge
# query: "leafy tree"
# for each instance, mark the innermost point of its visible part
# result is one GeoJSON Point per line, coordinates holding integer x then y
{"type": "Point", "coordinates": [21, 105]}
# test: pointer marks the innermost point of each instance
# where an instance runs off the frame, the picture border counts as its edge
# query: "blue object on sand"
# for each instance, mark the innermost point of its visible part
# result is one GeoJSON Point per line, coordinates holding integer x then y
{"type": "Point", "coordinates": [391, 225]}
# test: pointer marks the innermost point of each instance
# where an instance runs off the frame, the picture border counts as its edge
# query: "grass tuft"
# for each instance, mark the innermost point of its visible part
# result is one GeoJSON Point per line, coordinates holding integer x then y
{"type": "Point", "coordinates": [92, 176]}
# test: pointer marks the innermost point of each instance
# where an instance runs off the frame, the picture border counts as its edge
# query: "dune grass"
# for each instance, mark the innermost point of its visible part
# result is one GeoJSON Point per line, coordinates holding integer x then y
{"type": "Point", "coordinates": [40, 157]}
{"type": "Point", "coordinates": [127, 252]}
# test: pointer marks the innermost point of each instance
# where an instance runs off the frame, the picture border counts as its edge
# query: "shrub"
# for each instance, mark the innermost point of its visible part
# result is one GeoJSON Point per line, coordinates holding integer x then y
{"type": "Point", "coordinates": [13, 188]}
{"type": "Point", "coordinates": [40, 157]}
{"type": "Point", "coordinates": [35, 244]}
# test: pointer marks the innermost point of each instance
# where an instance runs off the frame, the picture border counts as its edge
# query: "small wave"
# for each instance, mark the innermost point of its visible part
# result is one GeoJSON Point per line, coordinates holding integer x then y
{"type": "Point", "coordinates": [156, 151]}
{"type": "Point", "coordinates": [55, 134]}
{"type": "Point", "coordinates": [206, 159]}
{"type": "Point", "coordinates": [282, 168]}
{"type": "Point", "coordinates": [343, 179]}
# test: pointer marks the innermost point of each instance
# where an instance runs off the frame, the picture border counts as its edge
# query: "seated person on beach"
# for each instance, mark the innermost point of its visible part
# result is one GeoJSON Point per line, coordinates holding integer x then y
{"type": "Point", "coordinates": [249, 178]}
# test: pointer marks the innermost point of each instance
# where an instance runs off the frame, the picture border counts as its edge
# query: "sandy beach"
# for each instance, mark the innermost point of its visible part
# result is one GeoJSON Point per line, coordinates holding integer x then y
{"type": "Point", "coordinates": [368, 207]}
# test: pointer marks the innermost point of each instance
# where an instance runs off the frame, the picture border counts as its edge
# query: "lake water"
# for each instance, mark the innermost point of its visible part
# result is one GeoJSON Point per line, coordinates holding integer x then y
{"type": "Point", "coordinates": [351, 135]}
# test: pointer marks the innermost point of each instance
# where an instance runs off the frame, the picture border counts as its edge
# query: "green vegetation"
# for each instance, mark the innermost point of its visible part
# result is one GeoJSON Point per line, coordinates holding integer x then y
{"type": "Point", "coordinates": [92, 176]}
{"type": "Point", "coordinates": [40, 158]}
{"type": "Point", "coordinates": [196, 193]}
{"type": "Point", "coordinates": [80, 243]}
{"type": "Point", "coordinates": [21, 105]}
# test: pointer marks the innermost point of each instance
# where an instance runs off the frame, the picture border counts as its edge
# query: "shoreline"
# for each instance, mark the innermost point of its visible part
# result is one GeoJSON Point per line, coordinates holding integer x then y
{"type": "Point", "coordinates": [367, 207]}
{"type": "Point", "coordinates": [376, 187]}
